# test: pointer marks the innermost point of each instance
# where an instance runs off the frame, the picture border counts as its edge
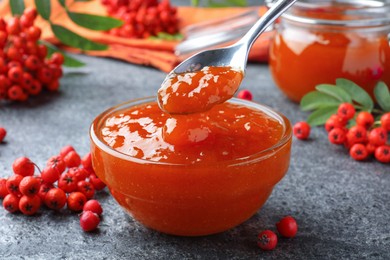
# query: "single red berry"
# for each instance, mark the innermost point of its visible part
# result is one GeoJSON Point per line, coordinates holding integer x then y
{"type": "Point", "coordinates": [50, 175]}
{"type": "Point", "coordinates": [267, 240]}
{"type": "Point", "coordinates": [3, 133]}
{"type": "Point", "coordinates": [57, 58]}
{"type": "Point", "coordinates": [76, 201]}
{"type": "Point", "coordinates": [13, 26]}
{"type": "Point", "coordinates": [11, 203]}
{"type": "Point", "coordinates": [335, 121]}
{"type": "Point", "coordinates": [30, 12]}
{"type": "Point", "coordinates": [346, 111]}
{"type": "Point", "coordinates": [32, 63]}
{"type": "Point", "coordinates": [365, 119]}
{"type": "Point", "coordinates": [377, 136]}
{"type": "Point", "coordinates": [357, 135]}
{"type": "Point", "coordinates": [45, 75]}
{"type": "Point", "coordinates": [94, 206]}
{"type": "Point", "coordinates": [337, 136]}
{"type": "Point", "coordinates": [26, 21]}
{"type": "Point", "coordinates": [89, 221]}
{"type": "Point", "coordinates": [86, 188]}
{"type": "Point", "coordinates": [371, 148]}
{"type": "Point", "coordinates": [33, 34]}
{"type": "Point", "coordinates": [15, 74]}
{"type": "Point", "coordinates": [382, 154]}
{"type": "Point", "coordinates": [358, 152]}
{"type": "Point", "coordinates": [29, 186]}
{"type": "Point", "coordinates": [72, 159]}
{"type": "Point", "coordinates": [301, 130]}
{"type": "Point", "coordinates": [16, 93]}
{"type": "Point", "coordinates": [27, 81]}
{"type": "Point", "coordinates": [23, 166]}
{"type": "Point", "coordinates": [67, 183]}
{"type": "Point", "coordinates": [55, 199]}
{"type": "Point", "coordinates": [56, 70]}
{"type": "Point", "coordinates": [14, 54]}
{"type": "Point", "coordinates": [245, 94]}
{"type": "Point", "coordinates": [65, 150]}
{"type": "Point", "coordinates": [29, 205]}
{"type": "Point", "coordinates": [97, 183]}
{"type": "Point", "coordinates": [13, 63]}
{"type": "Point", "coordinates": [12, 184]}
{"type": "Point", "coordinates": [35, 88]}
{"type": "Point", "coordinates": [80, 174]}
{"type": "Point", "coordinates": [42, 51]}
{"type": "Point", "coordinates": [56, 162]}
{"type": "Point", "coordinates": [3, 38]}
{"type": "Point", "coordinates": [53, 85]}
{"type": "Point", "coordinates": [385, 121]}
{"type": "Point", "coordinates": [287, 227]}
{"type": "Point", "coordinates": [3, 188]}
{"type": "Point", "coordinates": [86, 161]}
{"type": "Point", "coordinates": [44, 189]}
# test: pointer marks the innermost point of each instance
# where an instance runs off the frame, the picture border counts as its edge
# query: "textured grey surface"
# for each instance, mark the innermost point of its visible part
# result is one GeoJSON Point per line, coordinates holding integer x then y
{"type": "Point", "coordinates": [342, 206]}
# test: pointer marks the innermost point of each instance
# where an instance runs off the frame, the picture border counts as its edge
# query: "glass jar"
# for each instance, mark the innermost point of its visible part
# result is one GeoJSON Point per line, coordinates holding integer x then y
{"type": "Point", "coordinates": [319, 41]}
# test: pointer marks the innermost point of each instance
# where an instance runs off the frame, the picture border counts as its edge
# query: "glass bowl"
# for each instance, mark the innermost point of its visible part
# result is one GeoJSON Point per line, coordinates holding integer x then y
{"type": "Point", "coordinates": [190, 199]}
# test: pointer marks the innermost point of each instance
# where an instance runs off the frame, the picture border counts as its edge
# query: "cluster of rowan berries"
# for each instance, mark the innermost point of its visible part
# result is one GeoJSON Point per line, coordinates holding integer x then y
{"type": "Point", "coordinates": [143, 18]}
{"type": "Point", "coordinates": [62, 182]}
{"type": "Point", "coordinates": [24, 69]}
{"type": "Point", "coordinates": [364, 139]}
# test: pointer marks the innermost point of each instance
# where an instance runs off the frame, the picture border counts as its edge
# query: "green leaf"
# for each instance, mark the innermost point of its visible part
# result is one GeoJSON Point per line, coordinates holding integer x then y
{"type": "Point", "coordinates": [315, 99]}
{"type": "Point", "coordinates": [167, 36]}
{"type": "Point", "coordinates": [358, 94]}
{"type": "Point", "coordinates": [17, 7]}
{"type": "Point", "coordinates": [94, 22]}
{"type": "Point", "coordinates": [62, 2]}
{"type": "Point", "coordinates": [74, 40]}
{"type": "Point", "coordinates": [322, 114]}
{"type": "Point", "coordinates": [68, 60]}
{"type": "Point", "coordinates": [382, 95]}
{"type": "Point", "coordinates": [43, 8]}
{"type": "Point", "coordinates": [195, 2]}
{"type": "Point", "coordinates": [335, 92]}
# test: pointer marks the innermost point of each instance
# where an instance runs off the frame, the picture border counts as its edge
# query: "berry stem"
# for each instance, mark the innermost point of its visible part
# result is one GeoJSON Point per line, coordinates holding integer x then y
{"type": "Point", "coordinates": [374, 110]}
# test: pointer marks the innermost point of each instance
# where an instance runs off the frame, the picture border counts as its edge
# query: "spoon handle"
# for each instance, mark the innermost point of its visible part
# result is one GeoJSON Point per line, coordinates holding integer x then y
{"type": "Point", "coordinates": [266, 20]}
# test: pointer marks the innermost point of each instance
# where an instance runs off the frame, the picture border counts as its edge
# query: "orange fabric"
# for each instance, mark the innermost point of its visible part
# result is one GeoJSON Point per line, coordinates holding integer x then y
{"type": "Point", "coordinates": [156, 53]}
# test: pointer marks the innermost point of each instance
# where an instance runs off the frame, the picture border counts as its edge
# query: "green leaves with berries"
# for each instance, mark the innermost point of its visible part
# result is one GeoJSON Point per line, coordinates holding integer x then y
{"type": "Point", "coordinates": [325, 100]}
{"type": "Point", "coordinates": [66, 36]}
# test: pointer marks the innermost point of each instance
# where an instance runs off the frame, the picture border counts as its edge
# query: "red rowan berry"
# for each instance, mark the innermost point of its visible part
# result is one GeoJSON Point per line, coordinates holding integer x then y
{"type": "Point", "coordinates": [377, 136]}
{"type": "Point", "coordinates": [15, 74]}
{"type": "Point", "coordinates": [44, 189]}
{"type": "Point", "coordinates": [30, 12]}
{"type": "Point", "coordinates": [32, 63]}
{"type": "Point", "coordinates": [346, 111]}
{"type": "Point", "coordinates": [56, 162]}
{"type": "Point", "coordinates": [16, 93]}
{"type": "Point", "coordinates": [13, 54]}
{"type": "Point", "coordinates": [245, 94]}
{"type": "Point", "coordinates": [382, 154]}
{"type": "Point", "coordinates": [27, 81]}
{"type": "Point", "coordinates": [55, 199]}
{"type": "Point", "coordinates": [42, 51]}
{"type": "Point", "coordinates": [86, 188]}
{"type": "Point", "coordinates": [53, 85]}
{"type": "Point", "coordinates": [11, 203]}
{"type": "Point", "coordinates": [301, 130]}
{"type": "Point", "coordinates": [3, 39]}
{"type": "Point", "coordinates": [50, 175]}
{"type": "Point", "coordinates": [97, 183]}
{"type": "Point", "coordinates": [357, 134]}
{"type": "Point", "coordinates": [86, 161]}
{"type": "Point", "coordinates": [287, 227]}
{"type": "Point", "coordinates": [45, 75]}
{"type": "Point", "coordinates": [23, 166]}
{"type": "Point", "coordinates": [385, 121]}
{"type": "Point", "coordinates": [65, 150]}
{"type": "Point", "coordinates": [67, 183]}
{"type": "Point", "coordinates": [29, 186]}
{"type": "Point", "coordinates": [3, 188]}
{"type": "Point", "coordinates": [26, 21]}
{"type": "Point", "coordinates": [365, 119]}
{"type": "Point", "coordinates": [337, 136]}
{"type": "Point", "coordinates": [57, 58]}
{"type": "Point", "coordinates": [29, 205]}
{"type": "Point", "coordinates": [72, 159]}
{"type": "Point", "coordinates": [35, 88]}
{"type": "Point", "coordinates": [33, 34]}
{"type": "Point", "coordinates": [358, 152]}
{"type": "Point", "coordinates": [371, 148]}
{"type": "Point", "coordinates": [94, 206]}
{"type": "Point", "coordinates": [89, 221]}
{"type": "Point", "coordinates": [3, 133]}
{"type": "Point", "coordinates": [267, 240]}
{"type": "Point", "coordinates": [12, 184]}
{"type": "Point", "coordinates": [13, 26]}
{"type": "Point", "coordinates": [76, 201]}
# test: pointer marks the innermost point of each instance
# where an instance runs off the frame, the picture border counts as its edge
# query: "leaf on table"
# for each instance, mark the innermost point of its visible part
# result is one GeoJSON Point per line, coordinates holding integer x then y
{"type": "Point", "coordinates": [68, 60]}
{"type": "Point", "coordinates": [322, 114]}
{"type": "Point", "coordinates": [43, 8]}
{"type": "Point", "coordinates": [316, 99]}
{"type": "Point", "coordinates": [335, 92]}
{"type": "Point", "coordinates": [382, 95]}
{"type": "Point", "coordinates": [358, 94]}
{"type": "Point", "coordinates": [74, 40]}
{"type": "Point", "coordinates": [94, 22]}
{"type": "Point", "coordinates": [17, 7]}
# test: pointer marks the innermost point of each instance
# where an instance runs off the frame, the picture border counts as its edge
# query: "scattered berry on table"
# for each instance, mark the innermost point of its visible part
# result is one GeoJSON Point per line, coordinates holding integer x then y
{"type": "Point", "coordinates": [267, 240]}
{"type": "Point", "coordinates": [301, 130]}
{"type": "Point", "coordinates": [382, 154]}
{"type": "Point", "coordinates": [3, 132]}
{"type": "Point", "coordinates": [89, 221]}
{"type": "Point", "coordinates": [287, 227]}
{"type": "Point", "coordinates": [245, 94]}
{"type": "Point", "coordinates": [76, 201]}
{"type": "Point", "coordinates": [94, 206]}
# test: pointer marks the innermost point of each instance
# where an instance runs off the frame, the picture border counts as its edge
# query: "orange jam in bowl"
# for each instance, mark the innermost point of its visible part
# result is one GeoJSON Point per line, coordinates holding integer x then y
{"type": "Point", "coordinates": [319, 41]}
{"type": "Point", "coordinates": [194, 174]}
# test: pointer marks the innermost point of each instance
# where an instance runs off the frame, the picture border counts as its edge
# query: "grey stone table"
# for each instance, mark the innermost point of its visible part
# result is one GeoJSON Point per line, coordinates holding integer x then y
{"type": "Point", "coordinates": [342, 206]}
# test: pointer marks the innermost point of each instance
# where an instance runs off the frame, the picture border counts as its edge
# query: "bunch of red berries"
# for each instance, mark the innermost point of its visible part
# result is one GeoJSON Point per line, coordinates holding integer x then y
{"type": "Point", "coordinates": [364, 139]}
{"type": "Point", "coordinates": [143, 18]}
{"type": "Point", "coordinates": [24, 69]}
{"type": "Point", "coordinates": [62, 182]}
{"type": "Point", "coordinates": [287, 227]}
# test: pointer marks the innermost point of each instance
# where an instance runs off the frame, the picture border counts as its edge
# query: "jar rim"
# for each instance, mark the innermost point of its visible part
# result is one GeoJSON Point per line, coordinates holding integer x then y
{"type": "Point", "coordinates": [258, 156]}
{"type": "Point", "coordinates": [360, 13]}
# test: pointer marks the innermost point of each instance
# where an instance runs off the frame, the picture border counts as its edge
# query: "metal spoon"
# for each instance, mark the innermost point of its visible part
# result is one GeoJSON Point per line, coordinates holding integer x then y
{"type": "Point", "coordinates": [236, 55]}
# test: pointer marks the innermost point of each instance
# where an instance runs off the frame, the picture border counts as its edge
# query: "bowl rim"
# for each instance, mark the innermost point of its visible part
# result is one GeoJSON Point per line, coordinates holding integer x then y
{"type": "Point", "coordinates": [258, 156]}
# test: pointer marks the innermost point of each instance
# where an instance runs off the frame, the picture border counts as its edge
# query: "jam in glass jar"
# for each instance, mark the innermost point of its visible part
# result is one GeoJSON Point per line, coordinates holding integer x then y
{"type": "Point", "coordinates": [319, 41]}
